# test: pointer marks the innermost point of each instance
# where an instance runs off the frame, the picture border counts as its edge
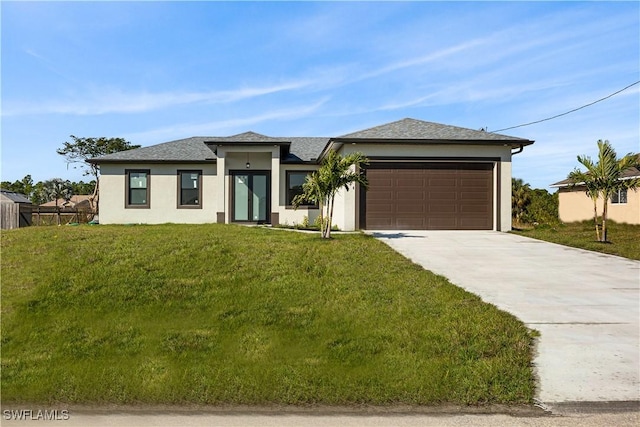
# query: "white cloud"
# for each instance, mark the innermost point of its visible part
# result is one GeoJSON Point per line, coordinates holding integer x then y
{"type": "Point", "coordinates": [116, 101]}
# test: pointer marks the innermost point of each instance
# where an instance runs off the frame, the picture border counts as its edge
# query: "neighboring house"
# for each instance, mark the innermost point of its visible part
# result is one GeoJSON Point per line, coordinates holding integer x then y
{"type": "Point", "coordinates": [15, 210]}
{"type": "Point", "coordinates": [79, 201]}
{"type": "Point", "coordinates": [422, 176]}
{"type": "Point", "coordinates": [575, 205]}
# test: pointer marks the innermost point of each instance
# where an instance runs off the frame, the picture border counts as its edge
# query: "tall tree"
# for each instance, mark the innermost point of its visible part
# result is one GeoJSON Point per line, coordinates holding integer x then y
{"type": "Point", "coordinates": [603, 178]}
{"type": "Point", "coordinates": [336, 172]}
{"type": "Point", "coordinates": [82, 149]}
{"type": "Point", "coordinates": [24, 186]}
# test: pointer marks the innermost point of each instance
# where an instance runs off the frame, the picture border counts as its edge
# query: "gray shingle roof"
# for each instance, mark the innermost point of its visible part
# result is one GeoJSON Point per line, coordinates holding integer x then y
{"type": "Point", "coordinates": [182, 150]}
{"type": "Point", "coordinates": [196, 149]}
{"type": "Point", "coordinates": [250, 137]}
{"type": "Point", "coordinates": [412, 129]}
{"type": "Point", "coordinates": [306, 149]}
{"type": "Point", "coordinates": [12, 196]}
{"type": "Point", "coordinates": [303, 149]}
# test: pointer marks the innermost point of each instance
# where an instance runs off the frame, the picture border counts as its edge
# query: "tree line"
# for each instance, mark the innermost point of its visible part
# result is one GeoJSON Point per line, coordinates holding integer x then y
{"type": "Point", "coordinates": [49, 190]}
{"type": "Point", "coordinates": [532, 206]}
{"type": "Point", "coordinates": [79, 150]}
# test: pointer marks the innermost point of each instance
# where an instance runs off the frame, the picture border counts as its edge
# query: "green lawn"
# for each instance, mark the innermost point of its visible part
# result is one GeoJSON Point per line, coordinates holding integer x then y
{"type": "Point", "coordinates": [623, 238]}
{"type": "Point", "coordinates": [220, 314]}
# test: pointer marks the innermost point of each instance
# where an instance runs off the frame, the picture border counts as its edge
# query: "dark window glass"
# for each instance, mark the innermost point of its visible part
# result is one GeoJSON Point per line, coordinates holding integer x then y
{"type": "Point", "coordinates": [295, 180]}
{"type": "Point", "coordinates": [138, 188]}
{"type": "Point", "coordinates": [619, 197]}
{"type": "Point", "coordinates": [190, 188]}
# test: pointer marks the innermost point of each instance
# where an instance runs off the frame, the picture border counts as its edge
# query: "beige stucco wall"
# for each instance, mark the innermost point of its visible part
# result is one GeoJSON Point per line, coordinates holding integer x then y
{"type": "Point", "coordinates": [577, 206]}
{"type": "Point", "coordinates": [346, 202]}
{"type": "Point", "coordinates": [163, 198]}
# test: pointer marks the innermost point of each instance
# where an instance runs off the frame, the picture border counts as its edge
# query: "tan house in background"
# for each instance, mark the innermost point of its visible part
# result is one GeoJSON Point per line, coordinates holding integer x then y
{"type": "Point", "coordinates": [575, 205]}
{"type": "Point", "coordinates": [79, 201]}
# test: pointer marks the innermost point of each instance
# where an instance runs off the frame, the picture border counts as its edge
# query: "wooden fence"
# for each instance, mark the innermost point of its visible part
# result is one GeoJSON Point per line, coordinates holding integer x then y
{"type": "Point", "coordinates": [51, 215]}
{"type": "Point", "coordinates": [14, 215]}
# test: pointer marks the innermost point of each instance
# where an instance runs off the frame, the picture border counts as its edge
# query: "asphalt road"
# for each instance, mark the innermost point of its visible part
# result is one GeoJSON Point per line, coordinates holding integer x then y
{"type": "Point", "coordinates": [101, 418]}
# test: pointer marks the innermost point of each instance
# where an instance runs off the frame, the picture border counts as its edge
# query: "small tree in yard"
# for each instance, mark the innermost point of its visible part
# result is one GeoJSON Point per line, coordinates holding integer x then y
{"type": "Point", "coordinates": [335, 173]}
{"type": "Point", "coordinates": [602, 179]}
{"type": "Point", "coordinates": [55, 189]}
{"type": "Point", "coordinates": [83, 149]}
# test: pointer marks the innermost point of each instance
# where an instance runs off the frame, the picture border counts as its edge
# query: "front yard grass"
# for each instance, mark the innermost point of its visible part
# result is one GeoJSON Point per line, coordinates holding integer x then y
{"type": "Point", "coordinates": [623, 238]}
{"type": "Point", "coordinates": [220, 314]}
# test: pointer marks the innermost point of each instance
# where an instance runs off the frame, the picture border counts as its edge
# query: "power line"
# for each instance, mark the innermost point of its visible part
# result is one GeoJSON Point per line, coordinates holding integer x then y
{"type": "Point", "coordinates": [570, 111]}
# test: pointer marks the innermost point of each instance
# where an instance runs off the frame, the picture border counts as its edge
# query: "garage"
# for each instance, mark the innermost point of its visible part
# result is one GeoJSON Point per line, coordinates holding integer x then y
{"type": "Point", "coordinates": [428, 196]}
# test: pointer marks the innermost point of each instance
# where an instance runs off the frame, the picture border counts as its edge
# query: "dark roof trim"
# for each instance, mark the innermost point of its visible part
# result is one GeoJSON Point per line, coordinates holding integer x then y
{"type": "Point", "coordinates": [511, 142]}
{"type": "Point", "coordinates": [149, 161]}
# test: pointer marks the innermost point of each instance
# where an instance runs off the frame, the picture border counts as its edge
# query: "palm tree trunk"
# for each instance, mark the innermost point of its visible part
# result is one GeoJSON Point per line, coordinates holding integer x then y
{"type": "Point", "coordinates": [604, 219]}
{"type": "Point", "coordinates": [328, 231]}
{"type": "Point", "coordinates": [321, 218]}
{"type": "Point", "coordinates": [595, 218]}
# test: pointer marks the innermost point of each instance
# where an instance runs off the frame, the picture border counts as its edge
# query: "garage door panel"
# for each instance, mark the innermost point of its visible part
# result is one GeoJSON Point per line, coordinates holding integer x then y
{"type": "Point", "coordinates": [410, 183]}
{"type": "Point", "coordinates": [442, 182]}
{"type": "Point", "coordinates": [443, 208]}
{"type": "Point", "coordinates": [381, 183]}
{"type": "Point", "coordinates": [439, 196]}
{"type": "Point", "coordinates": [430, 196]}
{"type": "Point", "coordinates": [474, 209]}
{"type": "Point", "coordinates": [410, 196]}
{"type": "Point", "coordinates": [383, 196]}
{"type": "Point", "coordinates": [416, 208]}
{"type": "Point", "coordinates": [468, 195]}
{"type": "Point", "coordinates": [409, 223]}
{"type": "Point", "coordinates": [442, 223]}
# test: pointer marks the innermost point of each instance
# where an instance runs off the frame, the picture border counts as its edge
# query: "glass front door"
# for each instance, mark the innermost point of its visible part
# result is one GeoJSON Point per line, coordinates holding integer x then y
{"type": "Point", "coordinates": [251, 197]}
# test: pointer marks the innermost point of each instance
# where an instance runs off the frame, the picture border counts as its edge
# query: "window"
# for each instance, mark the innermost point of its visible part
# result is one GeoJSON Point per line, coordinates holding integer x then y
{"type": "Point", "coordinates": [619, 197]}
{"type": "Point", "coordinates": [295, 179]}
{"type": "Point", "coordinates": [137, 191]}
{"type": "Point", "coordinates": [190, 189]}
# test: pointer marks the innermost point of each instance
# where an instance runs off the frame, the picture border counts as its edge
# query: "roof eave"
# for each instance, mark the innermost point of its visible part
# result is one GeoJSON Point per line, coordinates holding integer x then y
{"type": "Point", "coordinates": [99, 161]}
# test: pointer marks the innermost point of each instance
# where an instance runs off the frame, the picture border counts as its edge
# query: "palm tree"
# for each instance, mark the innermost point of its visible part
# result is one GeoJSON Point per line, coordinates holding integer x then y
{"type": "Point", "coordinates": [588, 181]}
{"type": "Point", "coordinates": [602, 179]}
{"type": "Point", "coordinates": [520, 198]}
{"type": "Point", "coordinates": [312, 191]}
{"type": "Point", "coordinates": [55, 189]}
{"type": "Point", "coordinates": [335, 173]}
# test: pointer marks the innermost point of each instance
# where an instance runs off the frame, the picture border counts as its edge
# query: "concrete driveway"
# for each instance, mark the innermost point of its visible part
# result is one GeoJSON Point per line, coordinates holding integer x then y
{"type": "Point", "coordinates": [585, 305]}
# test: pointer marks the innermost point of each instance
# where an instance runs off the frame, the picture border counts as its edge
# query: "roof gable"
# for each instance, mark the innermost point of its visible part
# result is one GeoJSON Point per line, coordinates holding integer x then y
{"type": "Point", "coordinates": [246, 137]}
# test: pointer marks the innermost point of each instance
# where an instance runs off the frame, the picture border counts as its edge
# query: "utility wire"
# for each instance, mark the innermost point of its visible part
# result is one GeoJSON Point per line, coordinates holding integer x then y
{"type": "Point", "coordinates": [570, 111]}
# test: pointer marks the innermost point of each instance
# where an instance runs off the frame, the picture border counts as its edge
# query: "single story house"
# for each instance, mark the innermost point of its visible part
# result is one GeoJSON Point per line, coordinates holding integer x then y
{"type": "Point", "coordinates": [575, 205]}
{"type": "Point", "coordinates": [422, 175]}
{"type": "Point", "coordinates": [79, 201]}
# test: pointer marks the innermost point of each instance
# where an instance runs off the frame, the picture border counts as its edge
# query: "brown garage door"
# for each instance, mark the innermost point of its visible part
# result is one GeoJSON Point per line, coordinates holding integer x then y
{"type": "Point", "coordinates": [428, 196]}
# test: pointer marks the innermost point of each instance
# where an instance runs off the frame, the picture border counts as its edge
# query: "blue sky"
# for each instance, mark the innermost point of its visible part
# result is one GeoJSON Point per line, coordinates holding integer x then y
{"type": "Point", "coordinates": [152, 72]}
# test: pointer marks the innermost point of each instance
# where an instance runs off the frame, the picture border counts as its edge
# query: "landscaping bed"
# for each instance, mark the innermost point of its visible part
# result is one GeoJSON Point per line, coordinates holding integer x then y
{"type": "Point", "coordinates": [223, 314]}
